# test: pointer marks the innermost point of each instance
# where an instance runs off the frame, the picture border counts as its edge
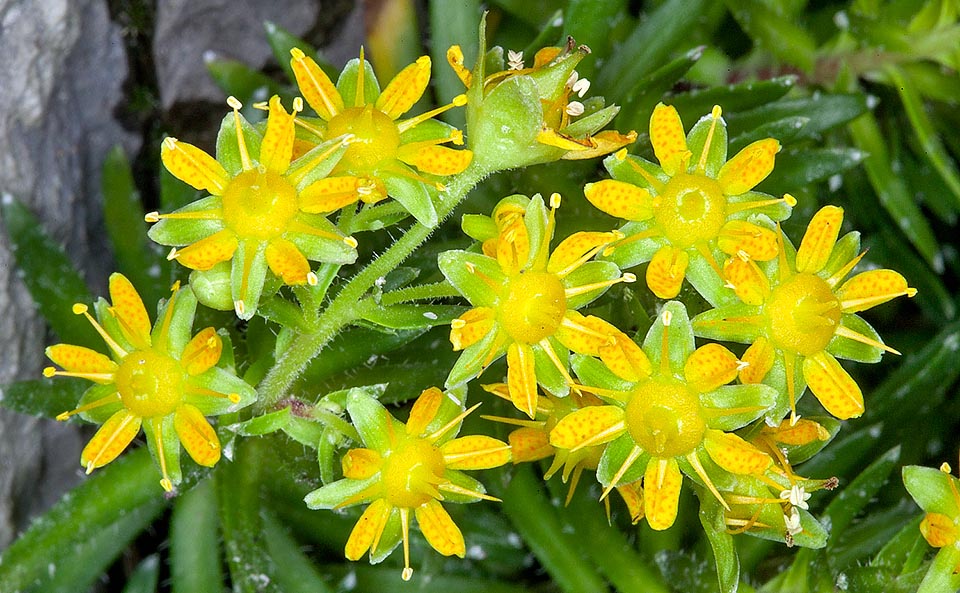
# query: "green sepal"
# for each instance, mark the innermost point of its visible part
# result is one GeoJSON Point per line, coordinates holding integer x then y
{"type": "Point", "coordinates": [409, 316]}
{"type": "Point", "coordinates": [212, 287]}
{"type": "Point", "coordinates": [697, 139]}
{"type": "Point", "coordinates": [800, 453]}
{"type": "Point", "coordinates": [721, 541]}
{"type": "Point", "coordinates": [759, 396]}
{"type": "Point", "coordinates": [321, 249]}
{"type": "Point", "coordinates": [478, 227]}
{"type": "Point", "coordinates": [614, 455]}
{"type": "Point", "coordinates": [458, 478]}
{"type": "Point", "coordinates": [374, 423]}
{"type": "Point", "coordinates": [774, 212]}
{"type": "Point", "coordinates": [255, 277]}
{"type": "Point", "coordinates": [334, 494]}
{"type": "Point", "coordinates": [413, 195]}
{"type": "Point", "coordinates": [261, 425]}
{"type": "Point", "coordinates": [453, 266]}
{"type": "Point", "coordinates": [112, 327]}
{"type": "Point", "coordinates": [701, 275]}
{"type": "Point", "coordinates": [170, 443]}
{"type": "Point", "coordinates": [185, 231]}
{"type": "Point", "coordinates": [842, 347]}
{"type": "Point", "coordinates": [389, 539]}
{"type": "Point", "coordinates": [282, 41]}
{"type": "Point", "coordinates": [503, 130]}
{"type": "Point", "coordinates": [844, 250]}
{"type": "Point", "coordinates": [306, 431]}
{"type": "Point", "coordinates": [535, 219]}
{"type": "Point", "coordinates": [548, 375]}
{"type": "Point", "coordinates": [347, 84]}
{"type": "Point", "coordinates": [228, 150]}
{"type": "Point", "coordinates": [588, 273]}
{"type": "Point", "coordinates": [471, 361]}
{"type": "Point", "coordinates": [179, 331]}
{"type": "Point", "coordinates": [635, 251]}
{"type": "Point", "coordinates": [327, 457]}
{"type": "Point", "coordinates": [941, 575]}
{"type": "Point", "coordinates": [43, 397]}
{"type": "Point", "coordinates": [931, 489]}
{"type": "Point", "coordinates": [100, 414]}
{"type": "Point", "coordinates": [588, 124]}
{"type": "Point", "coordinates": [316, 170]}
{"type": "Point", "coordinates": [594, 373]}
{"type": "Point", "coordinates": [431, 129]}
{"type": "Point", "coordinates": [621, 170]}
{"type": "Point", "coordinates": [552, 79]}
{"type": "Point", "coordinates": [220, 381]}
{"type": "Point", "coordinates": [452, 404]}
{"type": "Point", "coordinates": [711, 324]}
{"type": "Point", "coordinates": [679, 341]}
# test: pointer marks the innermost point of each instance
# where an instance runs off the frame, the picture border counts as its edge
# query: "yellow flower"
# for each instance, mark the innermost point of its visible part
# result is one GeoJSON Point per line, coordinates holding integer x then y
{"type": "Point", "coordinates": [383, 147]}
{"type": "Point", "coordinates": [409, 468]}
{"type": "Point", "coordinates": [804, 315]}
{"type": "Point", "coordinates": [694, 206]}
{"type": "Point", "coordinates": [161, 380]}
{"type": "Point", "coordinates": [263, 210]}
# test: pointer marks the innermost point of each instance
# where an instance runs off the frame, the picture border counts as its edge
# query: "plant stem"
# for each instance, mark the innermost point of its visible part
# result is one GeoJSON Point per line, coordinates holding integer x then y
{"type": "Point", "coordinates": [343, 308]}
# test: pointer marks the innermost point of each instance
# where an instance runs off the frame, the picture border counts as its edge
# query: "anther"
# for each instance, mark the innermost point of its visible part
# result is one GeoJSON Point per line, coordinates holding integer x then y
{"type": "Point", "coordinates": [407, 573]}
{"type": "Point", "coordinates": [629, 277]}
{"type": "Point", "coordinates": [234, 398]}
{"type": "Point", "coordinates": [312, 279]}
{"type": "Point", "coordinates": [458, 324]}
{"type": "Point", "coordinates": [667, 318]}
{"type": "Point", "coordinates": [239, 307]}
{"type": "Point", "coordinates": [170, 143]}
{"type": "Point", "coordinates": [945, 468]}
{"type": "Point", "coordinates": [574, 108]}
{"type": "Point", "coordinates": [79, 309]}
{"type": "Point", "coordinates": [90, 468]}
{"type": "Point", "coordinates": [790, 200]}
{"type": "Point", "coordinates": [49, 372]}
{"type": "Point", "coordinates": [63, 416]}
{"type": "Point", "coordinates": [459, 101]}
{"type": "Point", "coordinates": [261, 105]}
{"type": "Point", "coordinates": [581, 87]}
{"type": "Point", "coordinates": [351, 242]}
{"type": "Point", "coordinates": [297, 104]}
{"type": "Point", "coordinates": [152, 217]}
{"type": "Point", "coordinates": [234, 103]}
{"type": "Point", "coordinates": [173, 254]}
{"type": "Point", "coordinates": [514, 59]}
{"type": "Point", "coordinates": [166, 484]}
{"type": "Point", "coordinates": [716, 112]}
{"type": "Point", "coordinates": [621, 154]}
{"type": "Point", "coordinates": [555, 200]}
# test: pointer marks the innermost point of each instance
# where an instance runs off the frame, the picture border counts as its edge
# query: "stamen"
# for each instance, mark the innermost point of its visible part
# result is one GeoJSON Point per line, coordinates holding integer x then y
{"type": "Point", "coordinates": [433, 437]}
{"type": "Point", "coordinates": [698, 467]}
{"type": "Point", "coordinates": [165, 483]}
{"type": "Point", "coordinates": [627, 277]}
{"type": "Point", "coordinates": [741, 206]}
{"type": "Point", "coordinates": [212, 214]}
{"type": "Point", "coordinates": [403, 126]}
{"type": "Point", "coordinates": [162, 340]}
{"type": "Point", "coordinates": [304, 169]}
{"type": "Point", "coordinates": [578, 470]}
{"type": "Point", "coordinates": [667, 318]}
{"type": "Point", "coordinates": [309, 127]}
{"type": "Point", "coordinates": [647, 234]}
{"type": "Point", "coordinates": [241, 141]}
{"type": "Point", "coordinates": [486, 279]}
{"type": "Point", "coordinates": [113, 397]}
{"type": "Point", "coordinates": [868, 302]}
{"type": "Point", "coordinates": [49, 372]}
{"type": "Point", "coordinates": [634, 454]}
{"type": "Point", "coordinates": [81, 309]}
{"type": "Point", "coordinates": [233, 397]}
{"type": "Point", "coordinates": [548, 350]}
{"type": "Point", "coordinates": [411, 175]}
{"type": "Point", "coordinates": [704, 251]}
{"type": "Point", "coordinates": [702, 165]}
{"type": "Point", "coordinates": [358, 98]}
{"type": "Point", "coordinates": [580, 87]}
{"type": "Point", "coordinates": [514, 60]}
{"type": "Point", "coordinates": [312, 279]}
{"type": "Point", "coordinates": [789, 364]}
{"type": "Point", "coordinates": [846, 332]}
{"type": "Point", "coordinates": [783, 270]}
{"type": "Point", "coordinates": [515, 421]}
{"type": "Point", "coordinates": [405, 529]}
{"type": "Point", "coordinates": [599, 438]}
{"type": "Point", "coordinates": [574, 108]}
{"type": "Point", "coordinates": [614, 237]}
{"type": "Point", "coordinates": [570, 324]}
{"type": "Point", "coordinates": [840, 274]}
{"type": "Point", "coordinates": [454, 489]}
{"type": "Point", "coordinates": [745, 524]}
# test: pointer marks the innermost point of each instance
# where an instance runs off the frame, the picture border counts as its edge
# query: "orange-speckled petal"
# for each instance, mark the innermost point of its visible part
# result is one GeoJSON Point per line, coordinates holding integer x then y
{"type": "Point", "coordinates": [331, 193]}
{"type": "Point", "coordinates": [276, 150]}
{"type": "Point", "coordinates": [802, 433]}
{"type": "Point", "coordinates": [585, 334]}
{"type": "Point", "coordinates": [709, 367]}
{"type": "Point", "coordinates": [127, 306]}
{"type": "Point", "coordinates": [471, 327]}
{"type": "Point", "coordinates": [202, 352]}
{"type": "Point", "coordinates": [286, 261]}
{"type": "Point", "coordinates": [208, 252]}
{"type": "Point", "coordinates": [436, 160]}
{"type": "Point", "coordinates": [666, 271]}
{"type": "Point", "coordinates": [110, 440]}
{"type": "Point", "coordinates": [196, 435]}
{"type": "Point", "coordinates": [939, 530]}
{"type": "Point", "coordinates": [360, 463]}
{"type": "Point", "coordinates": [632, 495]}
{"type": "Point", "coordinates": [551, 137]}
{"type": "Point", "coordinates": [573, 251]}
{"type": "Point", "coordinates": [818, 241]}
{"type": "Point", "coordinates": [758, 360]}
{"type": "Point", "coordinates": [522, 378]}
{"type": "Point", "coordinates": [368, 529]}
{"type": "Point", "coordinates": [748, 167]}
{"type": "Point", "coordinates": [734, 454]}
{"type": "Point", "coordinates": [529, 444]}
{"type": "Point", "coordinates": [661, 492]}
{"type": "Point", "coordinates": [668, 140]}
{"type": "Point", "coordinates": [193, 166]}
{"type": "Point", "coordinates": [77, 359]}
{"type": "Point", "coordinates": [741, 236]}
{"type": "Point", "coordinates": [593, 425]}
{"type": "Point", "coordinates": [315, 86]}
{"type": "Point", "coordinates": [619, 199]}
{"type": "Point", "coordinates": [424, 410]}
{"type": "Point", "coordinates": [405, 89]}
{"type": "Point", "coordinates": [833, 386]}
{"type": "Point", "coordinates": [872, 288]}
{"type": "Point", "coordinates": [603, 142]}
{"type": "Point", "coordinates": [475, 452]}
{"type": "Point", "coordinates": [747, 280]}
{"type": "Point", "coordinates": [439, 530]}
{"type": "Point", "coordinates": [455, 59]}
{"type": "Point", "coordinates": [625, 358]}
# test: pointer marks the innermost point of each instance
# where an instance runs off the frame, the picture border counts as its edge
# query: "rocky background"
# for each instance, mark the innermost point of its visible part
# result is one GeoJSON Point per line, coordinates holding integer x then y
{"type": "Point", "coordinates": [79, 77]}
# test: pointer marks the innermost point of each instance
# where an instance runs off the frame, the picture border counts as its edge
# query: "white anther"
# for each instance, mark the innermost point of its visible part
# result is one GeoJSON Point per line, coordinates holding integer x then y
{"type": "Point", "coordinates": [581, 87]}
{"type": "Point", "coordinates": [514, 60]}
{"type": "Point", "coordinates": [574, 108]}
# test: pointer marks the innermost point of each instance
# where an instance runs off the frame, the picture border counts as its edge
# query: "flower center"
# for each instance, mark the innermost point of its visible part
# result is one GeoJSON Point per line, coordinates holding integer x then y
{"type": "Point", "coordinates": [664, 417]}
{"type": "Point", "coordinates": [532, 306]}
{"type": "Point", "coordinates": [259, 205]}
{"type": "Point", "coordinates": [411, 473]}
{"type": "Point", "coordinates": [150, 383]}
{"type": "Point", "coordinates": [692, 208]}
{"type": "Point", "coordinates": [376, 138]}
{"type": "Point", "coordinates": [803, 314]}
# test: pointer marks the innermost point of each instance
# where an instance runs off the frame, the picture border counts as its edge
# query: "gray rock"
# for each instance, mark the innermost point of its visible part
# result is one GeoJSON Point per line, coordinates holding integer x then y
{"type": "Point", "coordinates": [62, 72]}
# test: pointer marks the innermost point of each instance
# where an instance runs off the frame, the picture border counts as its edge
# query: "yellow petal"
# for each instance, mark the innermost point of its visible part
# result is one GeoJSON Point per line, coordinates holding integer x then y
{"type": "Point", "coordinates": [455, 59]}
{"type": "Point", "coordinates": [585, 334]}
{"type": "Point", "coordinates": [208, 252]}
{"type": "Point", "coordinates": [439, 530]}
{"type": "Point", "coordinates": [872, 288]}
{"type": "Point", "coordinates": [757, 242]}
{"type": "Point", "coordinates": [625, 358]}
{"type": "Point", "coordinates": [127, 306]}
{"type": "Point", "coordinates": [709, 367]}
{"type": "Point", "coordinates": [360, 464]}
{"type": "Point", "coordinates": [551, 137]}
{"type": "Point", "coordinates": [424, 410]}
{"type": "Point", "coordinates": [193, 166]}
{"type": "Point", "coordinates": [405, 89]}
{"type": "Point", "coordinates": [513, 247]}
{"type": "Point", "coordinates": [436, 160]}
{"type": "Point", "coordinates": [286, 261]}
{"type": "Point", "coordinates": [939, 530]}
{"type": "Point", "coordinates": [196, 435]}
{"type": "Point", "coordinates": [818, 241]}
{"type": "Point", "coordinates": [603, 143]}
{"type": "Point", "coordinates": [758, 359]}
{"type": "Point", "coordinates": [619, 199]}
{"type": "Point", "coordinates": [593, 425]}
{"type": "Point", "coordinates": [668, 140]}
{"type": "Point", "coordinates": [803, 432]}
{"type": "Point", "coordinates": [747, 280]}
{"type": "Point", "coordinates": [632, 495]}
{"type": "Point", "coordinates": [77, 359]}
{"type": "Point", "coordinates": [522, 378]}
{"type": "Point", "coordinates": [202, 352]}
{"type": "Point", "coordinates": [368, 529]}
{"type": "Point", "coordinates": [475, 452]}
{"type": "Point", "coordinates": [331, 193]}
{"type": "Point", "coordinates": [749, 167]}
{"type": "Point", "coordinates": [276, 149]}
{"type": "Point", "coordinates": [666, 271]}
{"type": "Point", "coordinates": [529, 444]}
{"type": "Point", "coordinates": [110, 440]}
{"type": "Point", "coordinates": [734, 454]}
{"type": "Point", "coordinates": [471, 327]}
{"type": "Point", "coordinates": [572, 252]}
{"type": "Point", "coordinates": [661, 492]}
{"type": "Point", "coordinates": [833, 386]}
{"type": "Point", "coordinates": [315, 86]}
